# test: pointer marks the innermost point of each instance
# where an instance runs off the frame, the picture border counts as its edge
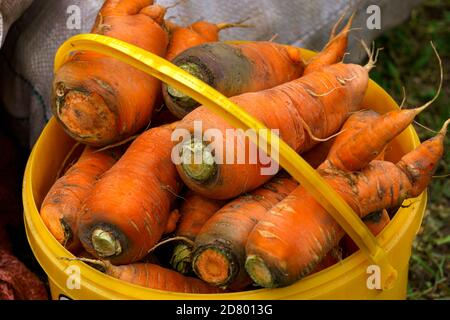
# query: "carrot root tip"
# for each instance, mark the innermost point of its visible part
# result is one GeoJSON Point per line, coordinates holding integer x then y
{"type": "Point", "coordinates": [259, 272]}
{"type": "Point", "coordinates": [105, 244]}
{"type": "Point", "coordinates": [198, 161]}
{"type": "Point", "coordinates": [215, 264]}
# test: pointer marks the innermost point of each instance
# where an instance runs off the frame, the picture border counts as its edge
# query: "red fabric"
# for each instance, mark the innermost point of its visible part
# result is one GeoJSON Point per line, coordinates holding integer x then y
{"type": "Point", "coordinates": [17, 282]}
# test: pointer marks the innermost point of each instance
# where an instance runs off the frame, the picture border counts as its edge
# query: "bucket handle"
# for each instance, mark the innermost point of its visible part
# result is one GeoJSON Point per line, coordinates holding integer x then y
{"type": "Point", "coordinates": [292, 162]}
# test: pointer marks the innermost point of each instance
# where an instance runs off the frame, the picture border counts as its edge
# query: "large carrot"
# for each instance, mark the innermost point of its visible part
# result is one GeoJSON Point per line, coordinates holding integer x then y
{"type": "Point", "coordinates": [182, 38]}
{"type": "Point", "coordinates": [318, 155]}
{"type": "Point", "coordinates": [334, 50]}
{"type": "Point", "coordinates": [294, 235]}
{"type": "Point", "coordinates": [152, 276]}
{"type": "Point", "coordinates": [62, 204]}
{"type": "Point", "coordinates": [100, 100]}
{"type": "Point", "coordinates": [233, 69]}
{"type": "Point", "coordinates": [195, 211]}
{"type": "Point", "coordinates": [219, 254]}
{"type": "Point", "coordinates": [129, 208]}
{"type": "Point", "coordinates": [321, 100]}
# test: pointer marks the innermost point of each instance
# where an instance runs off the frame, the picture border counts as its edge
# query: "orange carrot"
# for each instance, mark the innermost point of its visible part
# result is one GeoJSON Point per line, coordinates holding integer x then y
{"type": "Point", "coordinates": [129, 208]}
{"type": "Point", "coordinates": [233, 69]}
{"type": "Point", "coordinates": [375, 221]}
{"type": "Point", "coordinates": [152, 276]}
{"type": "Point", "coordinates": [195, 211]}
{"type": "Point", "coordinates": [317, 155]}
{"type": "Point", "coordinates": [321, 100]}
{"type": "Point", "coordinates": [62, 204]}
{"type": "Point", "coordinates": [356, 124]}
{"type": "Point", "coordinates": [219, 254]}
{"type": "Point", "coordinates": [100, 100]}
{"type": "Point", "coordinates": [334, 50]}
{"type": "Point", "coordinates": [294, 235]}
{"type": "Point", "coordinates": [359, 149]}
{"type": "Point", "coordinates": [182, 38]}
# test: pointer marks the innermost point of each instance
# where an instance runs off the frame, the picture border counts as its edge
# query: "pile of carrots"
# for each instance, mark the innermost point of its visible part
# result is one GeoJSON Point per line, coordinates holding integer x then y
{"type": "Point", "coordinates": [127, 209]}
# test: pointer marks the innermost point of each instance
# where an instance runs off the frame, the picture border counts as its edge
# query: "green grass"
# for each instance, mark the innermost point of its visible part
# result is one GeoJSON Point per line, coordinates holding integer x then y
{"type": "Point", "coordinates": [408, 60]}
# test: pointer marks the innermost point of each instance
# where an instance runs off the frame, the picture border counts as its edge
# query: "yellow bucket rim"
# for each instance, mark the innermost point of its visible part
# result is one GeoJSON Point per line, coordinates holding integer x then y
{"type": "Point", "coordinates": [374, 249]}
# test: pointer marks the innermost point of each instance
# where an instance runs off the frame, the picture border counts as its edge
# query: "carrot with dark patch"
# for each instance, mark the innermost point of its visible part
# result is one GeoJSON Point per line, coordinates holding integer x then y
{"type": "Point", "coordinates": [219, 254]}
{"type": "Point", "coordinates": [61, 208]}
{"type": "Point", "coordinates": [129, 208]}
{"type": "Point", "coordinates": [321, 100]}
{"type": "Point", "coordinates": [182, 38]}
{"type": "Point", "coordinates": [233, 69]}
{"type": "Point", "coordinates": [152, 276]}
{"type": "Point", "coordinates": [296, 234]}
{"type": "Point", "coordinates": [99, 100]}
{"type": "Point", "coordinates": [194, 211]}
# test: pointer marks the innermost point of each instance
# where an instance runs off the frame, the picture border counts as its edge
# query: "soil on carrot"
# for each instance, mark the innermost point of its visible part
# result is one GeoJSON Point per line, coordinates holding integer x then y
{"type": "Point", "coordinates": [408, 61]}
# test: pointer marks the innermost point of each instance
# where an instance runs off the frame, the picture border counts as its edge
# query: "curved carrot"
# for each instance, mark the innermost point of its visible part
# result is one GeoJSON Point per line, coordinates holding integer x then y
{"type": "Point", "coordinates": [129, 208]}
{"type": "Point", "coordinates": [62, 204]}
{"type": "Point", "coordinates": [233, 69]}
{"type": "Point", "coordinates": [99, 100]}
{"type": "Point", "coordinates": [293, 237]}
{"type": "Point", "coordinates": [219, 254]}
{"type": "Point", "coordinates": [334, 50]}
{"type": "Point", "coordinates": [195, 211]}
{"type": "Point", "coordinates": [152, 276]}
{"type": "Point", "coordinates": [321, 100]}
{"type": "Point", "coordinates": [182, 38]}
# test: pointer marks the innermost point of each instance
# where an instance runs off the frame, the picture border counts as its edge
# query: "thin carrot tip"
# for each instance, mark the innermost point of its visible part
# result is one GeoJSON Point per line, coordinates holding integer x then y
{"type": "Point", "coordinates": [444, 127]}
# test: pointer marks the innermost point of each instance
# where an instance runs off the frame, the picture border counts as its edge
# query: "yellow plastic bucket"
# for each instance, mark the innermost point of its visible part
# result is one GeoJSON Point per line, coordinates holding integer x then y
{"type": "Point", "coordinates": [352, 278]}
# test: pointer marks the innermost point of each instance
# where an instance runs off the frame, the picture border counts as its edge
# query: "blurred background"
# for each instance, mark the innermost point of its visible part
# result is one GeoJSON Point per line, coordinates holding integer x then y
{"type": "Point", "coordinates": [408, 61]}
